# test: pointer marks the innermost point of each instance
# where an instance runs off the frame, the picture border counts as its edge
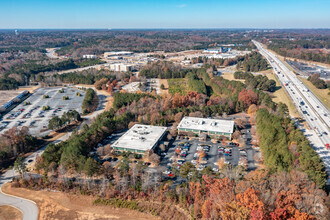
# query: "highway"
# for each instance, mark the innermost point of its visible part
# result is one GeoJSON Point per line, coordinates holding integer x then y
{"type": "Point", "coordinates": [315, 113]}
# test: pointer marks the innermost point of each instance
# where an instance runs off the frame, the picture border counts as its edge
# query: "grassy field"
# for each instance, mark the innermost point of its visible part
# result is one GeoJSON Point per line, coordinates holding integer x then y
{"type": "Point", "coordinates": [322, 94]}
{"type": "Point", "coordinates": [230, 76]}
{"type": "Point", "coordinates": [165, 83]}
{"type": "Point", "coordinates": [177, 86]}
{"type": "Point", "coordinates": [280, 95]}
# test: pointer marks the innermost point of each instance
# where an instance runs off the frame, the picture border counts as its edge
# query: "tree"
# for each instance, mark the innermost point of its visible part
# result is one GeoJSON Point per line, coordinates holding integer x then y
{"type": "Point", "coordinates": [186, 168]}
{"type": "Point", "coordinates": [55, 123]}
{"type": "Point", "coordinates": [252, 109]}
{"type": "Point", "coordinates": [90, 167]}
{"type": "Point", "coordinates": [178, 116]}
{"type": "Point", "coordinates": [155, 159]}
{"type": "Point", "coordinates": [162, 86]}
{"type": "Point", "coordinates": [20, 166]}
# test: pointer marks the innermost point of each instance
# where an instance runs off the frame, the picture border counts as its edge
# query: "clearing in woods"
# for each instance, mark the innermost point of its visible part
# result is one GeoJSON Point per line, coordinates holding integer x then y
{"type": "Point", "coordinates": [59, 205]}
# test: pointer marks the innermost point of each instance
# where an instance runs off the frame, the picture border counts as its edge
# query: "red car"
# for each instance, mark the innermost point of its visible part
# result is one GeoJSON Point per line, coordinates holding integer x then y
{"type": "Point", "coordinates": [170, 175]}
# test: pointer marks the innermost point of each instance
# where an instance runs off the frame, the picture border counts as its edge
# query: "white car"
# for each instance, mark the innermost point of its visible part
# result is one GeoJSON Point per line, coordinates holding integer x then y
{"type": "Point", "coordinates": [166, 172]}
{"type": "Point", "coordinates": [215, 169]}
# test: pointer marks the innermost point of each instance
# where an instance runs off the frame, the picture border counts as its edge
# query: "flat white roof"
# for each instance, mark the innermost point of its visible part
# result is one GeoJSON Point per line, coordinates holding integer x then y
{"type": "Point", "coordinates": [207, 124]}
{"type": "Point", "coordinates": [140, 137]}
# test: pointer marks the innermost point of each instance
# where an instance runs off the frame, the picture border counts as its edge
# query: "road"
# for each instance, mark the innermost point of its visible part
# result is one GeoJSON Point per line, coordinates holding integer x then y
{"type": "Point", "coordinates": [315, 113]}
{"type": "Point", "coordinates": [98, 66]}
{"type": "Point", "coordinates": [51, 53]}
{"type": "Point", "coordinates": [28, 208]}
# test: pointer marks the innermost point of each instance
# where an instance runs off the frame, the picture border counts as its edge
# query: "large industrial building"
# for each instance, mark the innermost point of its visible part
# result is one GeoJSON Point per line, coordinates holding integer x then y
{"type": "Point", "coordinates": [211, 127]}
{"type": "Point", "coordinates": [117, 53]}
{"type": "Point", "coordinates": [140, 138]}
{"type": "Point", "coordinates": [89, 56]}
{"type": "Point", "coordinates": [120, 67]}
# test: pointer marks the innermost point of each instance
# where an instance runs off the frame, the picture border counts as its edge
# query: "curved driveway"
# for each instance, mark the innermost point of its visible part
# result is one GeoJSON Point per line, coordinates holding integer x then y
{"type": "Point", "coordinates": [28, 208]}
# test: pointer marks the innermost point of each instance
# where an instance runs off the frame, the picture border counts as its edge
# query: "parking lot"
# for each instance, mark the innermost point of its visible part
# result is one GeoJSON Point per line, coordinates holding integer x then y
{"type": "Point", "coordinates": [226, 153]}
{"type": "Point", "coordinates": [35, 117]}
{"type": "Point", "coordinates": [195, 147]}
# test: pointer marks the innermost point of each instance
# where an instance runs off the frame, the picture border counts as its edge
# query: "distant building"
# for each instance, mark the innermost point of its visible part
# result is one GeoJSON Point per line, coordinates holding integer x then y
{"type": "Point", "coordinates": [89, 56]}
{"type": "Point", "coordinates": [211, 127]}
{"type": "Point", "coordinates": [120, 67]}
{"type": "Point", "coordinates": [15, 100]}
{"type": "Point", "coordinates": [140, 138]}
{"type": "Point", "coordinates": [118, 53]}
{"type": "Point", "coordinates": [217, 50]}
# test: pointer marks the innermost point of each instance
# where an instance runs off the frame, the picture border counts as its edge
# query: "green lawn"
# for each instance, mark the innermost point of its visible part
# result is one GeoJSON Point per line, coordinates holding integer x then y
{"type": "Point", "coordinates": [177, 86]}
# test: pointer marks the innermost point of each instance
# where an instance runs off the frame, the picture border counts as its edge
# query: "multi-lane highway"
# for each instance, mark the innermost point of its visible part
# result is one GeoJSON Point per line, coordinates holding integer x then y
{"type": "Point", "coordinates": [309, 106]}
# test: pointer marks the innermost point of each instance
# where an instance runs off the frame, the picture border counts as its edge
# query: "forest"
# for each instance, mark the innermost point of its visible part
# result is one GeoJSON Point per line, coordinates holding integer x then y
{"type": "Point", "coordinates": [14, 142]}
{"type": "Point", "coordinates": [306, 47]}
{"type": "Point", "coordinates": [90, 101]}
{"type": "Point", "coordinates": [253, 63]}
{"type": "Point", "coordinates": [257, 82]}
{"type": "Point", "coordinates": [286, 148]}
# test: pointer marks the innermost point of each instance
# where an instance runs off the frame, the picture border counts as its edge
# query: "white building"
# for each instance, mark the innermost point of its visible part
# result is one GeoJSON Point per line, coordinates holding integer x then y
{"type": "Point", "coordinates": [120, 67]}
{"type": "Point", "coordinates": [211, 127]}
{"type": "Point", "coordinates": [89, 56]}
{"type": "Point", "coordinates": [140, 138]}
{"type": "Point", "coordinates": [117, 53]}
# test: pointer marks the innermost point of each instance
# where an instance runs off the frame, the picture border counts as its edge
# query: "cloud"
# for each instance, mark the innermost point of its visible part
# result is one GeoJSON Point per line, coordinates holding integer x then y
{"type": "Point", "coordinates": [182, 6]}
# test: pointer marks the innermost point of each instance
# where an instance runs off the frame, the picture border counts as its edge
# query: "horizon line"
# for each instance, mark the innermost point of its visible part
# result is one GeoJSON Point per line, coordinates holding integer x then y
{"type": "Point", "coordinates": [109, 29]}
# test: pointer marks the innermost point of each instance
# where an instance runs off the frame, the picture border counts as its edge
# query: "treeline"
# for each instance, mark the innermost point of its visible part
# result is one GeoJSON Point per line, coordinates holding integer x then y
{"type": "Point", "coordinates": [285, 148]}
{"type": "Point", "coordinates": [31, 68]}
{"type": "Point", "coordinates": [123, 99]}
{"type": "Point", "coordinates": [319, 83]}
{"type": "Point", "coordinates": [258, 82]}
{"type": "Point", "coordinates": [8, 83]}
{"type": "Point", "coordinates": [253, 63]}
{"type": "Point", "coordinates": [60, 122]}
{"type": "Point", "coordinates": [82, 78]}
{"type": "Point", "coordinates": [232, 89]}
{"type": "Point", "coordinates": [90, 101]}
{"type": "Point", "coordinates": [16, 141]}
{"type": "Point", "coordinates": [73, 154]}
{"type": "Point", "coordinates": [311, 49]}
{"type": "Point", "coordinates": [163, 70]}
{"type": "Point", "coordinates": [196, 84]}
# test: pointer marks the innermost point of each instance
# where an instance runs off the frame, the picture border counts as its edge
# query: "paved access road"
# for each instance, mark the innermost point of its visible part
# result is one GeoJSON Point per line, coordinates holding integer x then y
{"type": "Point", "coordinates": [309, 106]}
{"type": "Point", "coordinates": [28, 208]}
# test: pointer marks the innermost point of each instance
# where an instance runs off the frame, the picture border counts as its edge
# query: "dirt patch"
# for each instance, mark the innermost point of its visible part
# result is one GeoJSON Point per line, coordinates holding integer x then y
{"type": "Point", "coordinates": [230, 76]}
{"type": "Point", "coordinates": [59, 205]}
{"type": "Point", "coordinates": [109, 103]}
{"type": "Point", "coordinates": [165, 83]}
{"type": "Point", "coordinates": [9, 213]}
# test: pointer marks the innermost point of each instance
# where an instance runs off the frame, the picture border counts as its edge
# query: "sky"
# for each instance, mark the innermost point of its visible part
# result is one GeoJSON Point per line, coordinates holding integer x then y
{"type": "Point", "coordinates": [140, 14]}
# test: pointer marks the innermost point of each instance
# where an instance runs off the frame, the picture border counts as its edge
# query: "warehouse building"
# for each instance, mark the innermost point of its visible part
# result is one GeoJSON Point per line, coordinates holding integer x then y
{"type": "Point", "coordinates": [211, 127]}
{"type": "Point", "coordinates": [140, 138]}
{"type": "Point", "coordinates": [117, 53]}
{"type": "Point", "coordinates": [120, 67]}
{"type": "Point", "coordinates": [89, 56]}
